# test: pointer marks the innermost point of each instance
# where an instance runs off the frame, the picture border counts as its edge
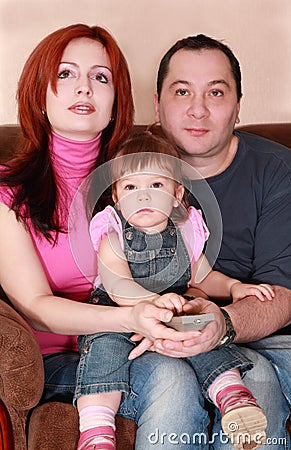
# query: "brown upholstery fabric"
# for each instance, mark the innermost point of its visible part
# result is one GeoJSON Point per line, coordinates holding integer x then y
{"type": "Point", "coordinates": [6, 433]}
{"type": "Point", "coordinates": [53, 426]}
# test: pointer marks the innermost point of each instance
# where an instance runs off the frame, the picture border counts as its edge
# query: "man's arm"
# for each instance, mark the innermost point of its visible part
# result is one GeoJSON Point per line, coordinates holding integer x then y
{"type": "Point", "coordinates": [253, 320]}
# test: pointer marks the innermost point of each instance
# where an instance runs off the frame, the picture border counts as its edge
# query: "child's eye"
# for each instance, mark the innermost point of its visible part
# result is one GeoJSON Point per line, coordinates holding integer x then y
{"type": "Point", "coordinates": [129, 187]}
{"type": "Point", "coordinates": [156, 185]}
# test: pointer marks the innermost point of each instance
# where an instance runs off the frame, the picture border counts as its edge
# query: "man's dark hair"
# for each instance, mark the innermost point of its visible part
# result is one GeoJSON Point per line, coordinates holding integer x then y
{"type": "Point", "coordinates": [199, 42]}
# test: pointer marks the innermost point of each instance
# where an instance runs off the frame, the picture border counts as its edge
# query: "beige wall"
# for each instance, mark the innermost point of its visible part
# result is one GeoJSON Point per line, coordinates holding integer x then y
{"type": "Point", "coordinates": [258, 31]}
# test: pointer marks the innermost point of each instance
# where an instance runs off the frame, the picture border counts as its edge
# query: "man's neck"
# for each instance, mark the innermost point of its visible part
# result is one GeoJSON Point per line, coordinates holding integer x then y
{"type": "Point", "coordinates": [211, 165]}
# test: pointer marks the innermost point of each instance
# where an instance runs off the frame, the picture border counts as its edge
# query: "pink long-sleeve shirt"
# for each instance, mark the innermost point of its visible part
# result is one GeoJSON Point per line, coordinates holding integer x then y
{"type": "Point", "coordinates": [70, 265]}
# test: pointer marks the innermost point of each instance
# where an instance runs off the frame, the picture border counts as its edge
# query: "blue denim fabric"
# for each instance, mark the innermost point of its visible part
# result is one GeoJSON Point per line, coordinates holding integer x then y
{"type": "Point", "coordinates": [159, 262]}
{"type": "Point", "coordinates": [113, 374]}
{"type": "Point", "coordinates": [277, 349]}
{"type": "Point", "coordinates": [166, 402]}
{"type": "Point", "coordinates": [164, 399]}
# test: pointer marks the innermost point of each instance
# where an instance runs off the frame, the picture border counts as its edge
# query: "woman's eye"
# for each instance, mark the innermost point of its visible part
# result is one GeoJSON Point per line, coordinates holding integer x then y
{"type": "Point", "coordinates": [129, 187]}
{"type": "Point", "coordinates": [101, 77]}
{"type": "Point", "coordinates": [156, 185]}
{"type": "Point", "coordinates": [65, 74]}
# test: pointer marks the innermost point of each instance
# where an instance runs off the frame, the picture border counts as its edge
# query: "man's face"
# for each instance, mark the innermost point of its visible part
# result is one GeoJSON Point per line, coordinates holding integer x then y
{"type": "Point", "coordinates": [198, 106]}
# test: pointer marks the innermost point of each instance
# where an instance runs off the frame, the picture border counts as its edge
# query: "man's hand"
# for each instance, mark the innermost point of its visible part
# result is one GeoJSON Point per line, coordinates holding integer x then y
{"type": "Point", "coordinates": [203, 341]}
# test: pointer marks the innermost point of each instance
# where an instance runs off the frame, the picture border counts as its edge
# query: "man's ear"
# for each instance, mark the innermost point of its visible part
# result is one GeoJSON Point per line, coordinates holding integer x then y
{"type": "Point", "coordinates": [157, 106]}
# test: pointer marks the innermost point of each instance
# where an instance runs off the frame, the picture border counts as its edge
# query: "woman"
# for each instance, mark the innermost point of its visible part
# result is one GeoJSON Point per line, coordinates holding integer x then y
{"type": "Point", "coordinates": [75, 106]}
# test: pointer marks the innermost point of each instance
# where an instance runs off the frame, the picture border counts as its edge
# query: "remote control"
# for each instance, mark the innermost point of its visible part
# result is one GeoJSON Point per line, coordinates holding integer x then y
{"type": "Point", "coordinates": [191, 322]}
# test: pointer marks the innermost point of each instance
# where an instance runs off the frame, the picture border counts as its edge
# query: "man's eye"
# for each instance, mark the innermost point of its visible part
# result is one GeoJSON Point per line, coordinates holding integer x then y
{"type": "Point", "coordinates": [216, 93]}
{"type": "Point", "coordinates": [129, 187]}
{"type": "Point", "coordinates": [182, 92]}
{"type": "Point", "coordinates": [156, 185]}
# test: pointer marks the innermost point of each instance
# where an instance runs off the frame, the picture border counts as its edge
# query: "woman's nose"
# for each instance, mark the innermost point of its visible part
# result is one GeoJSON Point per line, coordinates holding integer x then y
{"type": "Point", "coordinates": [83, 87]}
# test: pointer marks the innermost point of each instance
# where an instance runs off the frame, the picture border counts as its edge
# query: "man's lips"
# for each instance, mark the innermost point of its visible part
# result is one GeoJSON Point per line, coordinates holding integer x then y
{"type": "Point", "coordinates": [197, 132]}
{"type": "Point", "coordinates": [82, 108]}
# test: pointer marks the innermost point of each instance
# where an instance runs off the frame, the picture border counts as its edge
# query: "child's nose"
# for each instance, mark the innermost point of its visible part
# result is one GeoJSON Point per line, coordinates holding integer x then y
{"type": "Point", "coordinates": [143, 195]}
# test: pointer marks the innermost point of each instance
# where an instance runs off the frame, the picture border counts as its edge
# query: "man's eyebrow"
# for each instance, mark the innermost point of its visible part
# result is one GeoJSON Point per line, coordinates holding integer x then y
{"type": "Point", "coordinates": [187, 83]}
{"type": "Point", "coordinates": [210, 83]}
{"type": "Point", "coordinates": [222, 81]}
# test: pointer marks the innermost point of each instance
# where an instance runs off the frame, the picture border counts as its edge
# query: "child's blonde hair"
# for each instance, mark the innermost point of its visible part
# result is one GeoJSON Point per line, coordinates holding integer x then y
{"type": "Point", "coordinates": [146, 150]}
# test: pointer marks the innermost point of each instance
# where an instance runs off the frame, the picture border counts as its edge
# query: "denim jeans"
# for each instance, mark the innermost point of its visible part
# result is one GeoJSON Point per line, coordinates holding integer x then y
{"type": "Point", "coordinates": [277, 349]}
{"type": "Point", "coordinates": [112, 349]}
{"type": "Point", "coordinates": [166, 402]}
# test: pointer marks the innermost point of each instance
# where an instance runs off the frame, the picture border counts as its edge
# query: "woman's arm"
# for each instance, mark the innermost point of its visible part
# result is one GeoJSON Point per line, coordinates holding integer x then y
{"type": "Point", "coordinates": [24, 281]}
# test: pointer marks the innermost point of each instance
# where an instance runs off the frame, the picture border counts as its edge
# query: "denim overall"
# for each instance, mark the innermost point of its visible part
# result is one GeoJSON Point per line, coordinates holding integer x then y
{"type": "Point", "coordinates": [160, 263]}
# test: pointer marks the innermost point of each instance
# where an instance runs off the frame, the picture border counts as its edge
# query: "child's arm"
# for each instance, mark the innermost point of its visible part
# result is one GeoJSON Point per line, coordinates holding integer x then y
{"type": "Point", "coordinates": [119, 284]}
{"type": "Point", "coordinates": [217, 285]}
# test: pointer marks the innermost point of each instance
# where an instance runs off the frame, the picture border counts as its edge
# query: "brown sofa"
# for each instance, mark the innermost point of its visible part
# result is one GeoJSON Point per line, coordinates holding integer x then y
{"type": "Point", "coordinates": [52, 426]}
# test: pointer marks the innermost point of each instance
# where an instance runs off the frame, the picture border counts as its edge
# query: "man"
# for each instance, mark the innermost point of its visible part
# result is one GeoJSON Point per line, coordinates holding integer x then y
{"type": "Point", "coordinates": [197, 103]}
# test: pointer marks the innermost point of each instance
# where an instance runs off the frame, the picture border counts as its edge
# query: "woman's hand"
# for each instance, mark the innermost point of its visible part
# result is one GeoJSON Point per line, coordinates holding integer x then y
{"type": "Point", "coordinates": [202, 341]}
{"type": "Point", "coordinates": [146, 320]}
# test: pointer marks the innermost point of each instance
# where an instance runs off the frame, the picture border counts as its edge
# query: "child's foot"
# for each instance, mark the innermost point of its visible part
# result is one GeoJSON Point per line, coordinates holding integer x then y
{"type": "Point", "coordinates": [99, 438]}
{"type": "Point", "coordinates": [242, 419]}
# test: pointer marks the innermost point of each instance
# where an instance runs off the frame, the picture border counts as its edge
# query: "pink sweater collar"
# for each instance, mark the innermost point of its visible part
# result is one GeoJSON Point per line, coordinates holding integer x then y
{"type": "Point", "coordinates": [74, 158]}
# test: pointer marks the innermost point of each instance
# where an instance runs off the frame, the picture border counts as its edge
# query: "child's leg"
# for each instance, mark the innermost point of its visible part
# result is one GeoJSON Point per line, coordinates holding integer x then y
{"type": "Point", "coordinates": [97, 420]}
{"type": "Point", "coordinates": [103, 373]}
{"type": "Point", "coordinates": [242, 419]}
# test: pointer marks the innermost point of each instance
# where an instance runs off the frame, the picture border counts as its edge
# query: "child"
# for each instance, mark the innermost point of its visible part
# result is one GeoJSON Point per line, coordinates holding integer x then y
{"type": "Point", "coordinates": [150, 249]}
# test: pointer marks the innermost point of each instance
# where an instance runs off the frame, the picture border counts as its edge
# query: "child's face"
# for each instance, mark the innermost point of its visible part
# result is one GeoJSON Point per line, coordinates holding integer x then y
{"type": "Point", "coordinates": [146, 199]}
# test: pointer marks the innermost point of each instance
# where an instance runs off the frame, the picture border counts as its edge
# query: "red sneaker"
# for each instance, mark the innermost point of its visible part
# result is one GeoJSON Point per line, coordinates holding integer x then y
{"type": "Point", "coordinates": [243, 421]}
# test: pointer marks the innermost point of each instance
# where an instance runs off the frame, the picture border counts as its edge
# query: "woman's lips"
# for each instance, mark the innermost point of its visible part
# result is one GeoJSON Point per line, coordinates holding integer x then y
{"type": "Point", "coordinates": [82, 108]}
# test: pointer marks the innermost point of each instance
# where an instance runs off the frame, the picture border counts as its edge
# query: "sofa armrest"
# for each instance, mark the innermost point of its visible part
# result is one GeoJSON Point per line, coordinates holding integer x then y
{"type": "Point", "coordinates": [21, 366]}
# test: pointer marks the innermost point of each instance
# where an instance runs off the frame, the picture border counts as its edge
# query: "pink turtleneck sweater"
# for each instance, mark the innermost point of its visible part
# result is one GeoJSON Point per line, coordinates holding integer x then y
{"type": "Point", "coordinates": [69, 274]}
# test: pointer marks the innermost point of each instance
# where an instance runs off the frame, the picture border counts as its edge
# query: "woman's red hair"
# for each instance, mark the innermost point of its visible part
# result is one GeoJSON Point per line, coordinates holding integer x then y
{"type": "Point", "coordinates": [36, 196]}
{"type": "Point", "coordinates": [41, 69]}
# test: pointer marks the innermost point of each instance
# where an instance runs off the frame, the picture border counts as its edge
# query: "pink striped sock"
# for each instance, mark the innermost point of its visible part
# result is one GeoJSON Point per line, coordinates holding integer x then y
{"type": "Point", "coordinates": [96, 416]}
{"type": "Point", "coordinates": [228, 378]}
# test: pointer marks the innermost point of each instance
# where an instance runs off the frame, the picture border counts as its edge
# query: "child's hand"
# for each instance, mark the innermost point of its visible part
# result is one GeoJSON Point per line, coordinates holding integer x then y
{"type": "Point", "coordinates": [171, 301]}
{"type": "Point", "coordinates": [262, 291]}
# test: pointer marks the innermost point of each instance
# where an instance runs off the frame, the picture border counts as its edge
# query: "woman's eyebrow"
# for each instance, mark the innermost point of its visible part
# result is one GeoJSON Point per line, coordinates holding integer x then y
{"type": "Point", "coordinates": [95, 66]}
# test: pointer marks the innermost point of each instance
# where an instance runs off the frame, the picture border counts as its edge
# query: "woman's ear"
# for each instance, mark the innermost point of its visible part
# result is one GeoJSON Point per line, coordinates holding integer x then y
{"type": "Point", "coordinates": [180, 190]}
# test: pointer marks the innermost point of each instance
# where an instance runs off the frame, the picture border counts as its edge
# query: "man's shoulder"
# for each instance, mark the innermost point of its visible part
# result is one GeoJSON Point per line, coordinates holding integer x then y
{"type": "Point", "coordinates": [264, 152]}
{"type": "Point", "coordinates": [261, 146]}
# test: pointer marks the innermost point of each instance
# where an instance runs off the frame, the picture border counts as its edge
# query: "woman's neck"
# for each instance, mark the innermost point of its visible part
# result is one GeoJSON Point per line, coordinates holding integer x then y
{"type": "Point", "coordinates": [74, 157]}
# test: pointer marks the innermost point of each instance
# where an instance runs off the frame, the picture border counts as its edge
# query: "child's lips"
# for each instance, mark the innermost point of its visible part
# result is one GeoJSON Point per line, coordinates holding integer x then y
{"type": "Point", "coordinates": [145, 211]}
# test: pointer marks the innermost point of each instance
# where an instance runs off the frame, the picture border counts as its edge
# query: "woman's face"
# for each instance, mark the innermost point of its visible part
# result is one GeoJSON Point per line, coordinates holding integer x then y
{"type": "Point", "coordinates": [85, 95]}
